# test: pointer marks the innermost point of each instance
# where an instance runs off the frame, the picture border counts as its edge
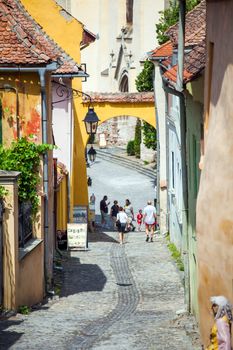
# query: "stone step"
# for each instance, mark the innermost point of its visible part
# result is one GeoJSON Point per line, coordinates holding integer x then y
{"type": "Point", "coordinates": [128, 163]}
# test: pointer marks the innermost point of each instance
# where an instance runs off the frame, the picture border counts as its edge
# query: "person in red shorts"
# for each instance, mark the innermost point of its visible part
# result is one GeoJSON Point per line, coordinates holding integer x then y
{"type": "Point", "coordinates": [149, 218]}
{"type": "Point", "coordinates": [139, 219]}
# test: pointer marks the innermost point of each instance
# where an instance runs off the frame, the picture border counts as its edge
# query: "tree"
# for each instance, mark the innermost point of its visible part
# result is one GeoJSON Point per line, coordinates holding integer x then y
{"type": "Point", "coordinates": [149, 136]}
{"type": "Point", "coordinates": [144, 80]}
{"type": "Point", "coordinates": [137, 138]}
{"type": "Point", "coordinates": [169, 17]}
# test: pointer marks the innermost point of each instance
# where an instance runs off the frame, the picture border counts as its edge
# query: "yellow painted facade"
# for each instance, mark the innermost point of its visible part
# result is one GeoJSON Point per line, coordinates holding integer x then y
{"type": "Point", "coordinates": [67, 32]}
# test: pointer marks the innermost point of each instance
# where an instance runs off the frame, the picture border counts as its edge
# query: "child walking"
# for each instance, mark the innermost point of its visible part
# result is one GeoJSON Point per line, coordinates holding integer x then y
{"type": "Point", "coordinates": [139, 219]}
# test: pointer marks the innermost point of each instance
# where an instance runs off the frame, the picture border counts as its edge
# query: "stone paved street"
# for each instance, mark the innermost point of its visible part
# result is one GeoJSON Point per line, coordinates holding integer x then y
{"type": "Point", "coordinates": [113, 297]}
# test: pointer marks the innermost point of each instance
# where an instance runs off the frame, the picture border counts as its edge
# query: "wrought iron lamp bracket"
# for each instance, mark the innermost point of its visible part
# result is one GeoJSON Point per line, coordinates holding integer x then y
{"type": "Point", "coordinates": [67, 93]}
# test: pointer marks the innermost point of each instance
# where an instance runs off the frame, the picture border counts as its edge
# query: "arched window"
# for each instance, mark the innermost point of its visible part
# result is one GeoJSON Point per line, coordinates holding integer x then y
{"type": "Point", "coordinates": [124, 83]}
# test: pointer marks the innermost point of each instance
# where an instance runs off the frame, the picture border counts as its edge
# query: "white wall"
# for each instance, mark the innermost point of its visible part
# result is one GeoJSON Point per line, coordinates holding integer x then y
{"type": "Point", "coordinates": [62, 129]}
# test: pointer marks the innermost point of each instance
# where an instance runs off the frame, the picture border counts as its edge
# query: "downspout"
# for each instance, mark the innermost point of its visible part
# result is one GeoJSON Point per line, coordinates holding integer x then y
{"type": "Point", "coordinates": [42, 75]}
{"type": "Point", "coordinates": [183, 130]}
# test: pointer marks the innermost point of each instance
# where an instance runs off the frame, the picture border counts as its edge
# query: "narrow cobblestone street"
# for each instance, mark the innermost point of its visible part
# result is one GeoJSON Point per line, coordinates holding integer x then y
{"type": "Point", "coordinates": [112, 297]}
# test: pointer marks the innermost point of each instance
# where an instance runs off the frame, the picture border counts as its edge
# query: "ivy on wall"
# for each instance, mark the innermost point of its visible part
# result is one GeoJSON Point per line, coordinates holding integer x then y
{"type": "Point", "coordinates": [144, 80]}
{"type": "Point", "coordinates": [24, 156]}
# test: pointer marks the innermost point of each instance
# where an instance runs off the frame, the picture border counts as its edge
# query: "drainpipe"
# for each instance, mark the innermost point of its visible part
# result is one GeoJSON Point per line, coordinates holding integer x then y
{"type": "Point", "coordinates": [183, 130]}
{"type": "Point", "coordinates": [42, 74]}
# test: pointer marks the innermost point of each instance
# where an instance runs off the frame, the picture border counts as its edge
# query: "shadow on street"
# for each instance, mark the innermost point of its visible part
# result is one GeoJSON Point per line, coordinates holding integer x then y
{"type": "Point", "coordinates": [81, 278]}
{"type": "Point", "coordinates": [8, 338]}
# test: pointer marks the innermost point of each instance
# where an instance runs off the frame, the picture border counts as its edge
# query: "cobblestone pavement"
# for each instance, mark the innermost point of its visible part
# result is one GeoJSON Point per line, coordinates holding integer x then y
{"type": "Point", "coordinates": [112, 297]}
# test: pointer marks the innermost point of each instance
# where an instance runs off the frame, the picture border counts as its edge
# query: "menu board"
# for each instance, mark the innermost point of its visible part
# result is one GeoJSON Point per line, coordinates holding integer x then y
{"type": "Point", "coordinates": [77, 236]}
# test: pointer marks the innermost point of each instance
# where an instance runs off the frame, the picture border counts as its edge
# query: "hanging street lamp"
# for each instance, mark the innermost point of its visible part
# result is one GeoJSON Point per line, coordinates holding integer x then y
{"type": "Point", "coordinates": [91, 121]}
{"type": "Point", "coordinates": [92, 154]}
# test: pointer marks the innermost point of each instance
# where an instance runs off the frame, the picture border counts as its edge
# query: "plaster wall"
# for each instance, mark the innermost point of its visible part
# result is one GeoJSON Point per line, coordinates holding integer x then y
{"type": "Point", "coordinates": [29, 113]}
{"type": "Point", "coordinates": [31, 277]}
{"type": "Point", "coordinates": [214, 204]}
{"type": "Point", "coordinates": [62, 128]}
{"type": "Point", "coordinates": [162, 131]}
{"type": "Point", "coordinates": [194, 117]}
{"type": "Point", "coordinates": [174, 171]}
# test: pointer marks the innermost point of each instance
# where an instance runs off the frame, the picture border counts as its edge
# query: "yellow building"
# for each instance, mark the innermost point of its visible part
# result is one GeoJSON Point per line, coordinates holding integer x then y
{"type": "Point", "coordinates": [28, 58]}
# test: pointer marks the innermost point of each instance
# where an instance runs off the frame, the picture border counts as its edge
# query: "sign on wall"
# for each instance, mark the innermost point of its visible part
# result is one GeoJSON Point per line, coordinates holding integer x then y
{"type": "Point", "coordinates": [77, 236]}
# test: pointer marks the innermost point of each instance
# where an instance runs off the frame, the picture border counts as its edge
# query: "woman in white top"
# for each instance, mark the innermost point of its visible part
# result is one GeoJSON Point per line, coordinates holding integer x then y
{"type": "Point", "coordinates": [121, 223]}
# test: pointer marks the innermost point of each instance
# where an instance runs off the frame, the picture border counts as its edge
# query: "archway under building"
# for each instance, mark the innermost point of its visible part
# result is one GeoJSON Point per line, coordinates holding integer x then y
{"type": "Point", "coordinates": [107, 106]}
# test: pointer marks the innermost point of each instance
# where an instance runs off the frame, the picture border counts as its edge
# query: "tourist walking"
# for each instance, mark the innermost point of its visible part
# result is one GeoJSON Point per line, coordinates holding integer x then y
{"type": "Point", "coordinates": [130, 213]}
{"type": "Point", "coordinates": [220, 337]}
{"type": "Point", "coordinates": [122, 219]}
{"type": "Point", "coordinates": [104, 211]}
{"type": "Point", "coordinates": [139, 219]}
{"type": "Point", "coordinates": [149, 218]}
{"type": "Point", "coordinates": [113, 213]}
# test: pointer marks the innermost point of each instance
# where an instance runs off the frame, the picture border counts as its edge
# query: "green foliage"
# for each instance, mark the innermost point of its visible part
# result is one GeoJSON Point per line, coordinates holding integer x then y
{"type": "Point", "coordinates": [149, 136]}
{"type": "Point", "coordinates": [169, 17]}
{"type": "Point", "coordinates": [24, 310]}
{"type": "Point", "coordinates": [137, 138]}
{"type": "Point", "coordinates": [3, 192]}
{"type": "Point", "coordinates": [130, 148]}
{"type": "Point", "coordinates": [24, 156]}
{"type": "Point", "coordinates": [144, 80]}
{"type": "Point", "coordinates": [175, 254]}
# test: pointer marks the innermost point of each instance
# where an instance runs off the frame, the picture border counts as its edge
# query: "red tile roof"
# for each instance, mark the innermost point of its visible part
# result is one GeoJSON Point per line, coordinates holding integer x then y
{"type": "Point", "coordinates": [23, 42]}
{"type": "Point", "coordinates": [165, 50]}
{"type": "Point", "coordinates": [193, 65]}
{"type": "Point", "coordinates": [195, 53]}
{"type": "Point", "coordinates": [119, 97]}
{"type": "Point", "coordinates": [195, 26]}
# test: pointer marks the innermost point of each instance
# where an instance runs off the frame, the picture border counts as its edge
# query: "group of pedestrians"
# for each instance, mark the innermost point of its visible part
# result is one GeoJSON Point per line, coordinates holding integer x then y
{"type": "Point", "coordinates": [123, 218]}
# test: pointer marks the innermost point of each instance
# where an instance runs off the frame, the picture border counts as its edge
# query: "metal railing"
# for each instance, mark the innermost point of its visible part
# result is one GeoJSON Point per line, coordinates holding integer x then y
{"type": "Point", "coordinates": [25, 223]}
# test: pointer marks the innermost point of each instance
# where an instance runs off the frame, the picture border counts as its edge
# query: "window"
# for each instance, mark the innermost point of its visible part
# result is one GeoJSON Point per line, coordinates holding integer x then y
{"type": "Point", "coordinates": [173, 171]}
{"type": "Point", "coordinates": [124, 83]}
{"type": "Point", "coordinates": [129, 12]}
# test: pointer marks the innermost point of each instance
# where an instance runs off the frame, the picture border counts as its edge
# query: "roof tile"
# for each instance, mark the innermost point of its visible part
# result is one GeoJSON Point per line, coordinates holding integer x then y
{"type": "Point", "coordinates": [23, 42]}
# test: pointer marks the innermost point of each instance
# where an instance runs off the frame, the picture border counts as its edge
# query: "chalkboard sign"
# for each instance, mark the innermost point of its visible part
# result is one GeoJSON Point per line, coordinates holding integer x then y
{"type": "Point", "coordinates": [77, 236]}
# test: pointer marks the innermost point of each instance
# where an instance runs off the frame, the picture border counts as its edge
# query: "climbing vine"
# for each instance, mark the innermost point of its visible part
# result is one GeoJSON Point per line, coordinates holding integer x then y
{"type": "Point", "coordinates": [144, 80]}
{"type": "Point", "coordinates": [3, 192]}
{"type": "Point", "coordinates": [24, 156]}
